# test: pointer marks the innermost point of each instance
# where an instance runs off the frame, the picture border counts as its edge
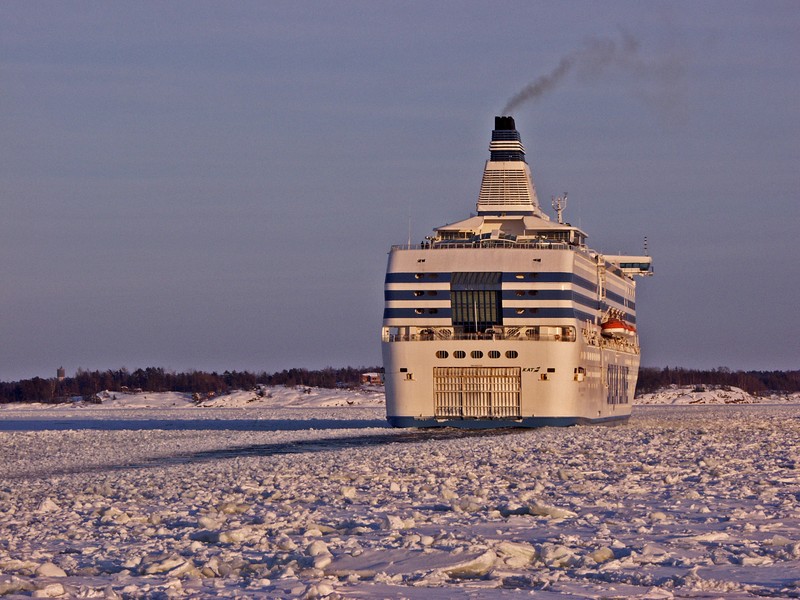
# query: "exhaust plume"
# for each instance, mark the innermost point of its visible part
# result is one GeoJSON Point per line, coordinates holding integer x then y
{"type": "Point", "coordinates": [595, 57]}
{"type": "Point", "coordinates": [540, 86]}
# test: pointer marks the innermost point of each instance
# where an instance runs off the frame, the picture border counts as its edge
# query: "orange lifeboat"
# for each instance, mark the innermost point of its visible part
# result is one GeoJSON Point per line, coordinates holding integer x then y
{"type": "Point", "coordinates": [614, 327]}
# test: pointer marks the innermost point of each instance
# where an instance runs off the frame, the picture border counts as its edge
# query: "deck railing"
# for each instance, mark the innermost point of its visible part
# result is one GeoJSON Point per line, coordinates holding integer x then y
{"type": "Point", "coordinates": [490, 244]}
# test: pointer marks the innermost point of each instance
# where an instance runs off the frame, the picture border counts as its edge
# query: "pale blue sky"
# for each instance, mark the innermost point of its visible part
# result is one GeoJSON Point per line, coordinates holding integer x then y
{"type": "Point", "coordinates": [204, 185]}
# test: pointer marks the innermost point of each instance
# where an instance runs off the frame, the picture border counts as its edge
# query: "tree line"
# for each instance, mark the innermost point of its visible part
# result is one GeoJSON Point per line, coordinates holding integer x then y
{"type": "Point", "coordinates": [752, 382]}
{"type": "Point", "coordinates": [153, 379]}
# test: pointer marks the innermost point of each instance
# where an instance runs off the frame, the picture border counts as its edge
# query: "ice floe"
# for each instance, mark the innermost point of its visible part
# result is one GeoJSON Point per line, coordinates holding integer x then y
{"type": "Point", "coordinates": [285, 500]}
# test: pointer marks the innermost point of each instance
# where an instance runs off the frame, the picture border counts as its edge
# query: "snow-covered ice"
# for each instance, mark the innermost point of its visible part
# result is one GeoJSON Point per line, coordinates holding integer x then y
{"type": "Point", "coordinates": [309, 494]}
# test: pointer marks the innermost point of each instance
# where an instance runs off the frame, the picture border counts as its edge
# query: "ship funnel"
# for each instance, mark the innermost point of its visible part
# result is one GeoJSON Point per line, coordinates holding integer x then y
{"type": "Point", "coordinates": [504, 123]}
{"type": "Point", "coordinates": [507, 186]}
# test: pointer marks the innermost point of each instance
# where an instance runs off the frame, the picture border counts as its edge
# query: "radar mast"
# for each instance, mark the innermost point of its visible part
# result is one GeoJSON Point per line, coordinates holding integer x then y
{"type": "Point", "coordinates": [559, 204]}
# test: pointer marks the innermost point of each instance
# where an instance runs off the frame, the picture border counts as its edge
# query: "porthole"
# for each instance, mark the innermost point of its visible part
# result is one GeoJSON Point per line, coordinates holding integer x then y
{"type": "Point", "coordinates": [520, 311]}
{"type": "Point", "coordinates": [533, 292]}
{"type": "Point", "coordinates": [418, 276]}
{"type": "Point", "coordinates": [520, 292]}
{"type": "Point", "coordinates": [433, 293]}
{"type": "Point", "coordinates": [511, 354]}
{"type": "Point", "coordinates": [476, 354]}
{"type": "Point", "coordinates": [419, 311]}
{"type": "Point", "coordinates": [433, 311]}
{"type": "Point", "coordinates": [433, 276]}
{"type": "Point", "coordinates": [442, 354]}
{"type": "Point", "coordinates": [459, 354]}
{"type": "Point", "coordinates": [494, 354]}
{"type": "Point", "coordinates": [533, 311]}
{"type": "Point", "coordinates": [418, 294]}
{"type": "Point", "coordinates": [520, 276]}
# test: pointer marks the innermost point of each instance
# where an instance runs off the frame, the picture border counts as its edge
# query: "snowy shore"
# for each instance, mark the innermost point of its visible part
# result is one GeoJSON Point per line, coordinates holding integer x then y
{"type": "Point", "coordinates": [313, 496]}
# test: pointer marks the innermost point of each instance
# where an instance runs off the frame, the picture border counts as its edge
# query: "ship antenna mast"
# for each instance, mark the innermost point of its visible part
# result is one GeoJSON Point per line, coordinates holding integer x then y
{"type": "Point", "coordinates": [559, 204]}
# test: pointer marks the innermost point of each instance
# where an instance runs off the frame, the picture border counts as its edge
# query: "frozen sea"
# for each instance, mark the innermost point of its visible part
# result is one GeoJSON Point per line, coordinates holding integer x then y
{"type": "Point", "coordinates": [308, 494]}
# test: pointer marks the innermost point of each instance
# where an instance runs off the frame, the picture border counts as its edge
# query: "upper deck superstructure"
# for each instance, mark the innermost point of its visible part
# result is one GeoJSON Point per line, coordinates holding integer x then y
{"type": "Point", "coordinates": [506, 317]}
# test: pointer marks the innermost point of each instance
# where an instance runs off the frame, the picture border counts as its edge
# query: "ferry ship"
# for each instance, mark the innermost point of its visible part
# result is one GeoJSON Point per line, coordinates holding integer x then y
{"type": "Point", "coordinates": [507, 318]}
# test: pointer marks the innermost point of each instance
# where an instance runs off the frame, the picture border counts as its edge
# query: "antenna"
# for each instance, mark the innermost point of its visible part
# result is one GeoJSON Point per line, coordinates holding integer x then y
{"type": "Point", "coordinates": [559, 204]}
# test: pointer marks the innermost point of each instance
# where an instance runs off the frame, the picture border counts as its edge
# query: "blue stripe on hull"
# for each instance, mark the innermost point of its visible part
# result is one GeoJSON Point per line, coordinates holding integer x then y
{"type": "Point", "coordinates": [409, 315]}
{"type": "Point", "coordinates": [499, 423]}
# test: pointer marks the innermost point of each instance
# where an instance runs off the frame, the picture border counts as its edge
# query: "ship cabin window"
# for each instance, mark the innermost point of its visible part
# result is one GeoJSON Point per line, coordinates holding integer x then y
{"type": "Point", "coordinates": [442, 354]}
{"type": "Point", "coordinates": [432, 293]}
{"type": "Point", "coordinates": [494, 354]}
{"type": "Point", "coordinates": [511, 354]}
{"type": "Point", "coordinates": [476, 354]}
{"type": "Point", "coordinates": [520, 292]}
{"type": "Point", "coordinates": [520, 311]}
{"type": "Point", "coordinates": [433, 311]}
{"type": "Point", "coordinates": [419, 311]}
{"type": "Point", "coordinates": [476, 301]}
{"type": "Point", "coordinates": [418, 294]}
{"type": "Point", "coordinates": [459, 354]}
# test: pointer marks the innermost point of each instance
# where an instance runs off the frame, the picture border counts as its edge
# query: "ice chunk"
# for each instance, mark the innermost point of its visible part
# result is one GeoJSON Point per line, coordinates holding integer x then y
{"type": "Point", "coordinates": [48, 569]}
{"type": "Point", "coordinates": [476, 567]}
{"type": "Point", "coordinates": [165, 565]}
{"type": "Point", "coordinates": [553, 512]}
{"type": "Point", "coordinates": [47, 505]}
{"type": "Point", "coordinates": [51, 590]}
{"type": "Point", "coordinates": [602, 555]}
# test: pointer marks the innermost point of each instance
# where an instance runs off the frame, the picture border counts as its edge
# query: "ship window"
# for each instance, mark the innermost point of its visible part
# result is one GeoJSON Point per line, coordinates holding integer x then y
{"type": "Point", "coordinates": [459, 354]}
{"type": "Point", "coordinates": [418, 276]}
{"type": "Point", "coordinates": [433, 311]}
{"type": "Point", "coordinates": [511, 354]}
{"type": "Point", "coordinates": [419, 311]}
{"type": "Point", "coordinates": [433, 276]}
{"type": "Point", "coordinates": [520, 292]}
{"type": "Point", "coordinates": [494, 354]}
{"type": "Point", "coordinates": [418, 294]}
{"type": "Point", "coordinates": [442, 354]}
{"type": "Point", "coordinates": [520, 276]}
{"type": "Point", "coordinates": [476, 354]}
{"type": "Point", "coordinates": [433, 293]}
{"type": "Point", "coordinates": [476, 300]}
{"type": "Point", "coordinates": [533, 311]}
{"type": "Point", "coordinates": [520, 311]}
{"type": "Point", "coordinates": [533, 292]}
{"type": "Point", "coordinates": [568, 334]}
{"type": "Point", "coordinates": [551, 370]}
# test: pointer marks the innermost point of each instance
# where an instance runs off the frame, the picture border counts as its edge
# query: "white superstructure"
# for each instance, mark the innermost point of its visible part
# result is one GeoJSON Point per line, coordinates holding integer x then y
{"type": "Point", "coordinates": [508, 318]}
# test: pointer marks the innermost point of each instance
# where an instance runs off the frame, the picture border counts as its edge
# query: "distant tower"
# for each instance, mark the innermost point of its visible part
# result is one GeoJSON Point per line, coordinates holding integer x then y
{"type": "Point", "coordinates": [60, 374]}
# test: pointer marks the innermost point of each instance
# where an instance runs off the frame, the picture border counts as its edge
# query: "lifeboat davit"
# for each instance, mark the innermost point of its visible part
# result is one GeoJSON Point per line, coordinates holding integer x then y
{"type": "Point", "coordinates": [617, 328]}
